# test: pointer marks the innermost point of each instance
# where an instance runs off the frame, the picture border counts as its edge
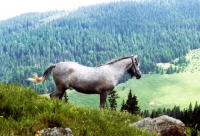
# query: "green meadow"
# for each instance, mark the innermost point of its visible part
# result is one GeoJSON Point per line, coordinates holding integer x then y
{"type": "Point", "coordinates": [164, 91]}
{"type": "Point", "coordinates": [152, 90]}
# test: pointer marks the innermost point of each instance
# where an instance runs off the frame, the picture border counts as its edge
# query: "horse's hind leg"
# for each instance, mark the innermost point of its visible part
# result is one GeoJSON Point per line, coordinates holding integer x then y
{"type": "Point", "coordinates": [59, 92]}
{"type": "Point", "coordinates": [103, 97]}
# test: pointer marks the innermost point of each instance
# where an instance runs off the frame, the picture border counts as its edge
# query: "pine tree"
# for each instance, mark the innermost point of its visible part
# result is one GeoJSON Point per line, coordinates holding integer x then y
{"type": "Point", "coordinates": [170, 70]}
{"type": "Point", "coordinates": [112, 100]}
{"type": "Point", "coordinates": [190, 109]}
{"type": "Point", "coordinates": [129, 101]}
{"type": "Point", "coordinates": [123, 107]}
{"type": "Point", "coordinates": [131, 104]}
{"type": "Point", "coordinates": [134, 108]}
{"type": "Point", "coordinates": [153, 114]}
{"type": "Point", "coordinates": [146, 113]}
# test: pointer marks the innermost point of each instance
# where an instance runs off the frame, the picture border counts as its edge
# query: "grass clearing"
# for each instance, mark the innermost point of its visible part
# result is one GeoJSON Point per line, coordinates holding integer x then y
{"type": "Point", "coordinates": [165, 90]}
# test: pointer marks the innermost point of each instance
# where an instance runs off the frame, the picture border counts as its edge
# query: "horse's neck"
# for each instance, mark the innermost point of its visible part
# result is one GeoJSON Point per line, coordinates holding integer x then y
{"type": "Point", "coordinates": [119, 68]}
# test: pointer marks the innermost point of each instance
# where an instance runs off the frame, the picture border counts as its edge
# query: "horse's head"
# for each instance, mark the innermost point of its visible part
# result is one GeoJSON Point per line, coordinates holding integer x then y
{"type": "Point", "coordinates": [134, 69]}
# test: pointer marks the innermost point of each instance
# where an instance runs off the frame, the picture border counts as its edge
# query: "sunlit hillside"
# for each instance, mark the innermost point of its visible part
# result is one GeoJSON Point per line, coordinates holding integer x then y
{"type": "Point", "coordinates": [23, 112]}
{"type": "Point", "coordinates": [193, 58]}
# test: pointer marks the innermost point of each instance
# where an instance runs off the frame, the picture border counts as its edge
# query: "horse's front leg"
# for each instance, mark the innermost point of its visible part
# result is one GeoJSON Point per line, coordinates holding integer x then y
{"type": "Point", "coordinates": [103, 97]}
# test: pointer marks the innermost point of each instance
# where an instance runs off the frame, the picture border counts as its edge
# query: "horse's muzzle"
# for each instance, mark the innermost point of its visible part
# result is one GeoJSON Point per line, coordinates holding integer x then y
{"type": "Point", "coordinates": [138, 77]}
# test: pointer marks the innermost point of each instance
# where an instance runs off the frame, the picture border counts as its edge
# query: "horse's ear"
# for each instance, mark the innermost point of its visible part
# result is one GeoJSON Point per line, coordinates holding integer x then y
{"type": "Point", "coordinates": [135, 56]}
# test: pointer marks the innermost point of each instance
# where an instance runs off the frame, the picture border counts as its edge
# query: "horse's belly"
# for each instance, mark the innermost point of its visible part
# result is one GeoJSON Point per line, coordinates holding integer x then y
{"type": "Point", "coordinates": [93, 88]}
{"type": "Point", "coordinates": [91, 84]}
{"type": "Point", "coordinates": [86, 90]}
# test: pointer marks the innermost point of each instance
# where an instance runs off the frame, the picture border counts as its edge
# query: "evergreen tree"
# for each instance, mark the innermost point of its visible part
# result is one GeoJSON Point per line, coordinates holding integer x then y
{"type": "Point", "coordinates": [131, 104]}
{"type": "Point", "coordinates": [112, 100]}
{"type": "Point", "coordinates": [146, 113]}
{"type": "Point", "coordinates": [190, 110]}
{"type": "Point", "coordinates": [153, 114]}
{"type": "Point", "coordinates": [123, 107]}
{"type": "Point", "coordinates": [134, 108]}
{"type": "Point", "coordinates": [170, 70]}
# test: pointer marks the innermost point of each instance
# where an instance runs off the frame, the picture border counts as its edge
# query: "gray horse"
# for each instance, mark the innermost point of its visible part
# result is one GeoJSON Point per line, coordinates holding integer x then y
{"type": "Point", "coordinates": [89, 80]}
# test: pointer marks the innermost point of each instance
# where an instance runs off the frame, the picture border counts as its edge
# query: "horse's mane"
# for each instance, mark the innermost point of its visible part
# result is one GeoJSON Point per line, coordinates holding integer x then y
{"type": "Point", "coordinates": [115, 60]}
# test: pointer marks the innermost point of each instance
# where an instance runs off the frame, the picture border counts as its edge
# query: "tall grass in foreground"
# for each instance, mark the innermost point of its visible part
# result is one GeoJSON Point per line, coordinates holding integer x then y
{"type": "Point", "coordinates": [24, 112]}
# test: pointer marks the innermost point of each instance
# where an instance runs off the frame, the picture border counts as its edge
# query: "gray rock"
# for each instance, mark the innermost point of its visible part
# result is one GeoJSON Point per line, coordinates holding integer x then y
{"type": "Point", "coordinates": [163, 126]}
{"type": "Point", "coordinates": [56, 131]}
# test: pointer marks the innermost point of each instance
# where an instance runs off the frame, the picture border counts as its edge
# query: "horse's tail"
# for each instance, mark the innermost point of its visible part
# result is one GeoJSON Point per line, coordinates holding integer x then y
{"type": "Point", "coordinates": [41, 79]}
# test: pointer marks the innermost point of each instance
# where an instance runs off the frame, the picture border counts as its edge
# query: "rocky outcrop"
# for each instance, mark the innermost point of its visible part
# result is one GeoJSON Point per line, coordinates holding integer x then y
{"type": "Point", "coordinates": [163, 126]}
{"type": "Point", "coordinates": [55, 132]}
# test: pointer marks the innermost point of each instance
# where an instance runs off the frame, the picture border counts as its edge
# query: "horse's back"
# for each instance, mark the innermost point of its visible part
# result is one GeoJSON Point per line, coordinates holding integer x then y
{"type": "Point", "coordinates": [67, 69]}
{"type": "Point", "coordinates": [79, 76]}
{"type": "Point", "coordinates": [72, 66]}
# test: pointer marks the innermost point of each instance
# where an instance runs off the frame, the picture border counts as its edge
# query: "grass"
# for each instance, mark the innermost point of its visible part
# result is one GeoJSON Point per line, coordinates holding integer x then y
{"type": "Point", "coordinates": [164, 91]}
{"type": "Point", "coordinates": [24, 112]}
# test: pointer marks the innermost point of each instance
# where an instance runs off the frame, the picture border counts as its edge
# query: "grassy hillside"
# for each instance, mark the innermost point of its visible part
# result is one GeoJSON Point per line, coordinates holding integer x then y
{"type": "Point", "coordinates": [155, 90]}
{"type": "Point", "coordinates": [23, 112]}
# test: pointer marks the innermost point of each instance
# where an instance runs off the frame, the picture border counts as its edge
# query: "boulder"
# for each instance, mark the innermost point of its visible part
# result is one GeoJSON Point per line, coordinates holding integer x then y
{"type": "Point", "coordinates": [55, 132]}
{"type": "Point", "coordinates": [163, 126]}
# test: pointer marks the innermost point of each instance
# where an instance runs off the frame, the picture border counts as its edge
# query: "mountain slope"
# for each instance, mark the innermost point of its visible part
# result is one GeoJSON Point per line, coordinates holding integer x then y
{"type": "Point", "coordinates": [157, 31]}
